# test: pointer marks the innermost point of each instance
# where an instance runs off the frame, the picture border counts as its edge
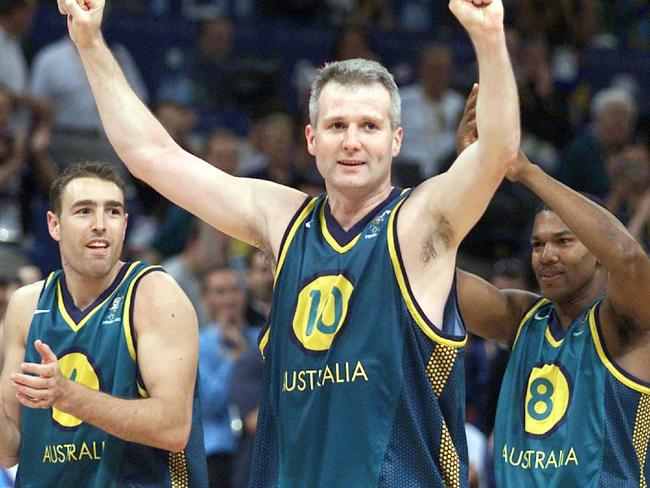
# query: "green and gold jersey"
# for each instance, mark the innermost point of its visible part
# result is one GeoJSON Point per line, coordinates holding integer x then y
{"type": "Point", "coordinates": [97, 348]}
{"type": "Point", "coordinates": [567, 415]}
{"type": "Point", "coordinates": [360, 389]}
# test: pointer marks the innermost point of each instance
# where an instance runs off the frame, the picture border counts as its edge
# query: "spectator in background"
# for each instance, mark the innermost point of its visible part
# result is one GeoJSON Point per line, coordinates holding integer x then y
{"type": "Point", "coordinates": [205, 247]}
{"type": "Point", "coordinates": [259, 278]}
{"type": "Point", "coordinates": [277, 149]}
{"type": "Point", "coordinates": [224, 337]}
{"type": "Point", "coordinates": [583, 164]}
{"type": "Point", "coordinates": [58, 76]}
{"type": "Point", "coordinates": [26, 172]}
{"type": "Point", "coordinates": [16, 17]}
{"type": "Point", "coordinates": [629, 197]}
{"type": "Point", "coordinates": [245, 398]}
{"type": "Point", "coordinates": [217, 79]}
{"type": "Point", "coordinates": [544, 110]}
{"type": "Point", "coordinates": [431, 110]}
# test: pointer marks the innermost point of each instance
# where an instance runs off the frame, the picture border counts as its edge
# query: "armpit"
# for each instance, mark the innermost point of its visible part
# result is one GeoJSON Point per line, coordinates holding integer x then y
{"type": "Point", "coordinates": [436, 239]}
{"type": "Point", "coordinates": [627, 326]}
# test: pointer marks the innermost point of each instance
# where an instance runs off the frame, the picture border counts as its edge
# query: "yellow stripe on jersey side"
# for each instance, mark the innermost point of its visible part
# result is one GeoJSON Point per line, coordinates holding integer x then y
{"type": "Point", "coordinates": [66, 316]}
{"type": "Point", "coordinates": [49, 279]}
{"type": "Point", "coordinates": [126, 317]}
{"type": "Point", "coordinates": [613, 369]}
{"type": "Point", "coordinates": [178, 473]}
{"type": "Point", "coordinates": [292, 232]}
{"type": "Point", "coordinates": [641, 436]}
{"type": "Point", "coordinates": [283, 254]}
{"type": "Point", "coordinates": [438, 369]}
{"type": "Point", "coordinates": [330, 239]}
{"type": "Point", "coordinates": [528, 315]}
{"type": "Point", "coordinates": [400, 275]}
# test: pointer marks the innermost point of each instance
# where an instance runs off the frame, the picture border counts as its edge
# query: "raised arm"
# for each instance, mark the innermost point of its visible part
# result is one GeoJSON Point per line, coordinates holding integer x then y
{"type": "Point", "coordinates": [17, 320]}
{"type": "Point", "coordinates": [626, 309]}
{"type": "Point", "coordinates": [253, 211]}
{"type": "Point", "coordinates": [462, 193]}
{"type": "Point", "coordinates": [489, 312]}
{"type": "Point", "coordinates": [167, 337]}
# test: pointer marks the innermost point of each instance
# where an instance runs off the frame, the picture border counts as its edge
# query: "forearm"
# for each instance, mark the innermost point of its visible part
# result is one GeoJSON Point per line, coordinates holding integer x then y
{"type": "Point", "coordinates": [602, 233]}
{"type": "Point", "coordinates": [497, 110]}
{"type": "Point", "coordinates": [153, 422]}
{"type": "Point", "coordinates": [133, 131]}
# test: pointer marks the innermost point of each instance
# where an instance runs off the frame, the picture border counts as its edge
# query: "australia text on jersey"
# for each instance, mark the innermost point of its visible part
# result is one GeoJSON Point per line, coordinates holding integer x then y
{"type": "Point", "coordinates": [310, 379]}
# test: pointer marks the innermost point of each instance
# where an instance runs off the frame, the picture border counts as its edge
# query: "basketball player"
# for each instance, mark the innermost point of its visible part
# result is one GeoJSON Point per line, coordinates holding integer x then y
{"type": "Point", "coordinates": [574, 407]}
{"type": "Point", "coordinates": [363, 375]}
{"type": "Point", "coordinates": [101, 357]}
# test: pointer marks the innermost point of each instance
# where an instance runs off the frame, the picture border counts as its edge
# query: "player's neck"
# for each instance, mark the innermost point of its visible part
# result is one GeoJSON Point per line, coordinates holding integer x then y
{"type": "Point", "coordinates": [84, 289]}
{"type": "Point", "coordinates": [348, 209]}
{"type": "Point", "coordinates": [569, 310]}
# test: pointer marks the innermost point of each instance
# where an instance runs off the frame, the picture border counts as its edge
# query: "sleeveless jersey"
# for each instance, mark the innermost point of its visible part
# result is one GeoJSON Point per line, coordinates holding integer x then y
{"type": "Point", "coordinates": [360, 390]}
{"type": "Point", "coordinates": [567, 414]}
{"type": "Point", "coordinates": [97, 348]}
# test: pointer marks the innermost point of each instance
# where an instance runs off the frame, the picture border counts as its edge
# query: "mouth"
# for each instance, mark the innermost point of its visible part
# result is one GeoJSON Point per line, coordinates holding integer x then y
{"type": "Point", "coordinates": [99, 246]}
{"type": "Point", "coordinates": [548, 276]}
{"type": "Point", "coordinates": [351, 163]}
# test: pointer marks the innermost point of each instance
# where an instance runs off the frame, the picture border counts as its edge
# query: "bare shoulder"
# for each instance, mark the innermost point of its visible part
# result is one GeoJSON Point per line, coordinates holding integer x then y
{"type": "Point", "coordinates": [23, 301]}
{"type": "Point", "coordinates": [159, 297]}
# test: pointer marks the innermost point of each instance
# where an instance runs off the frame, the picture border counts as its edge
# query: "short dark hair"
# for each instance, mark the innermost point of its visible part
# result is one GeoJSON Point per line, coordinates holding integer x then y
{"type": "Point", "coordinates": [87, 169]}
{"type": "Point", "coordinates": [543, 207]}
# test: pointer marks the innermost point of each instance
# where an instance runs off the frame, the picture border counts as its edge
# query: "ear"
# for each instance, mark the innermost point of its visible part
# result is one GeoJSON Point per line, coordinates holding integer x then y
{"type": "Point", "coordinates": [397, 141]}
{"type": "Point", "coordinates": [310, 135]}
{"type": "Point", "coordinates": [53, 226]}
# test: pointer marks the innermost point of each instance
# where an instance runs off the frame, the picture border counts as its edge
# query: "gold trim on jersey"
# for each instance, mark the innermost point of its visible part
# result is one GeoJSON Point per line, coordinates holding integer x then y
{"type": "Point", "coordinates": [613, 369]}
{"type": "Point", "coordinates": [552, 340]}
{"type": "Point", "coordinates": [49, 279]}
{"type": "Point", "coordinates": [641, 436]}
{"type": "Point", "coordinates": [410, 301]}
{"type": "Point", "coordinates": [330, 238]}
{"type": "Point", "coordinates": [292, 232]}
{"type": "Point", "coordinates": [66, 316]}
{"type": "Point", "coordinates": [283, 254]}
{"type": "Point", "coordinates": [527, 317]}
{"type": "Point", "coordinates": [126, 321]}
{"type": "Point", "coordinates": [438, 369]}
{"type": "Point", "coordinates": [178, 472]}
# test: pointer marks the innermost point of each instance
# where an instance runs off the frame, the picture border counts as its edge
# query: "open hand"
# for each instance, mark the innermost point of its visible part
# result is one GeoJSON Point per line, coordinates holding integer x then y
{"type": "Point", "coordinates": [84, 19]}
{"type": "Point", "coordinates": [478, 16]}
{"type": "Point", "coordinates": [39, 385]}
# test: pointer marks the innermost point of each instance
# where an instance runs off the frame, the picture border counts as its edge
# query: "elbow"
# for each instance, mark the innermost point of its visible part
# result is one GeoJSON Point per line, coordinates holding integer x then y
{"type": "Point", "coordinates": [177, 437]}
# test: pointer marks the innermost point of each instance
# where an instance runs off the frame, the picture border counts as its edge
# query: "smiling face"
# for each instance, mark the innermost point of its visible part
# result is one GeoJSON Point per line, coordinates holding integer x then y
{"type": "Point", "coordinates": [353, 140]}
{"type": "Point", "coordinates": [566, 271]}
{"type": "Point", "coordinates": [91, 226]}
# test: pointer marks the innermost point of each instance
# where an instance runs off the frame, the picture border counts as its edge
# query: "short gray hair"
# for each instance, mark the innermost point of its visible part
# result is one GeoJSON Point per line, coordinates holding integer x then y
{"type": "Point", "coordinates": [355, 72]}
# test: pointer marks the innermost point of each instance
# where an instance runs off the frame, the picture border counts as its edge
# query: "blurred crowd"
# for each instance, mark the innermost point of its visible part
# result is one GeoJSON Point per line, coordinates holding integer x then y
{"type": "Point", "coordinates": [229, 80]}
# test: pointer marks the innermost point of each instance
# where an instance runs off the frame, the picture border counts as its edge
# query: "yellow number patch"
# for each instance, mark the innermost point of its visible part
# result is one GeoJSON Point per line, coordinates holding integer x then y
{"type": "Point", "coordinates": [75, 366]}
{"type": "Point", "coordinates": [547, 399]}
{"type": "Point", "coordinates": [321, 311]}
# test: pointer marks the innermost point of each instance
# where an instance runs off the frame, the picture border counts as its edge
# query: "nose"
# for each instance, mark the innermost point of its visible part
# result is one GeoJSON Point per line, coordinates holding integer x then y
{"type": "Point", "coordinates": [548, 255]}
{"type": "Point", "coordinates": [98, 222]}
{"type": "Point", "coordinates": [351, 141]}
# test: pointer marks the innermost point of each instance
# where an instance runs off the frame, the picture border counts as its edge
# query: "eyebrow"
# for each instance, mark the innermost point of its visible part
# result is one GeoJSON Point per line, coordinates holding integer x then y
{"type": "Point", "coordinates": [557, 235]}
{"type": "Point", "coordinates": [94, 203]}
